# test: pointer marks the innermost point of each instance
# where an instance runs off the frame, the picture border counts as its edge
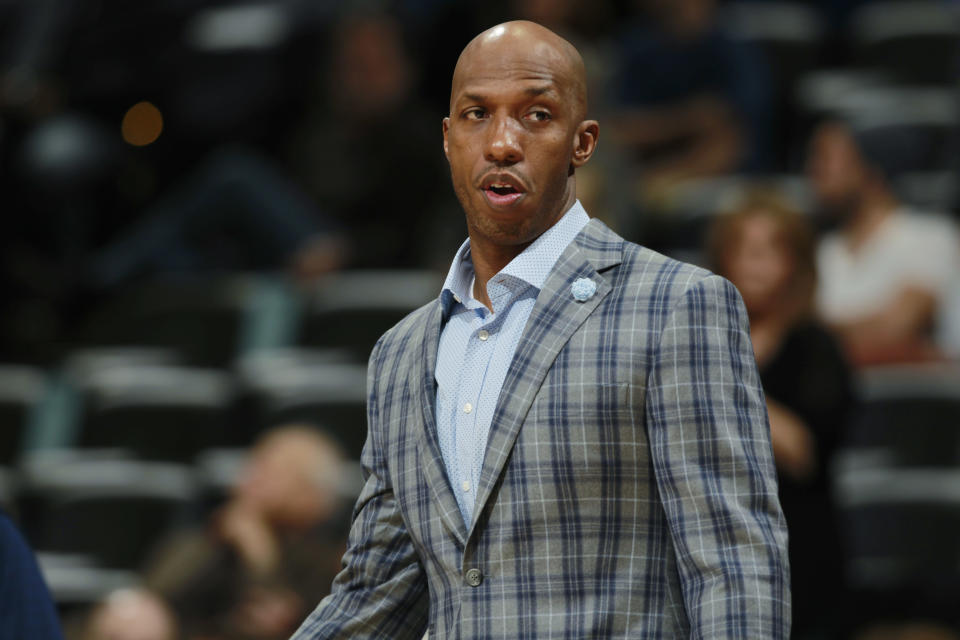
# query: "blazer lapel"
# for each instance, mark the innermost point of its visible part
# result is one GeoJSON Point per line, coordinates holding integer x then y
{"type": "Point", "coordinates": [555, 316]}
{"type": "Point", "coordinates": [428, 443]}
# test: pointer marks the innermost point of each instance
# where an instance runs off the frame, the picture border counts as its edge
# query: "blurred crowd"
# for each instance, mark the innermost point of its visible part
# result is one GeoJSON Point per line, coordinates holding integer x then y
{"type": "Point", "coordinates": [214, 208]}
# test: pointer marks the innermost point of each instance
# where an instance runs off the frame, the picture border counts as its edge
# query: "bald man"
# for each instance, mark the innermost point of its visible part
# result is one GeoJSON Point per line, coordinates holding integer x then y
{"type": "Point", "coordinates": [571, 441]}
{"type": "Point", "coordinates": [132, 614]}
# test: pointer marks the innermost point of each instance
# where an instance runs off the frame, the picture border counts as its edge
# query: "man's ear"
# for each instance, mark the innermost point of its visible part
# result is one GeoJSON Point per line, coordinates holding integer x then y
{"type": "Point", "coordinates": [585, 142]}
{"type": "Point", "coordinates": [446, 146]}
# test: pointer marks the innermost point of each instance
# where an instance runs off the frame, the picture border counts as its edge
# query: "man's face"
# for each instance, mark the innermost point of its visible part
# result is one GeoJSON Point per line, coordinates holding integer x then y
{"type": "Point", "coordinates": [510, 140]}
{"type": "Point", "coordinates": [835, 168]}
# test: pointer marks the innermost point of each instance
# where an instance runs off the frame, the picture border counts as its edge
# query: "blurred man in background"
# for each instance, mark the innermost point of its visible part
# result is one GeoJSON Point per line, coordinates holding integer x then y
{"type": "Point", "coordinates": [695, 102]}
{"type": "Point", "coordinates": [267, 554]}
{"type": "Point", "coordinates": [886, 269]}
{"type": "Point", "coordinates": [132, 614]}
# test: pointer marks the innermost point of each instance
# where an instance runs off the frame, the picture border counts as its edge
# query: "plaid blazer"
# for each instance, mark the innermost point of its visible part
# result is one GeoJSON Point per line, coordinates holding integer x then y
{"type": "Point", "coordinates": [628, 488]}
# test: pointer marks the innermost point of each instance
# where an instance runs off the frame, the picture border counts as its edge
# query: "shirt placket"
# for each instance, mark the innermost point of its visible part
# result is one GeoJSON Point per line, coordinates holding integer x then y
{"type": "Point", "coordinates": [481, 347]}
{"type": "Point", "coordinates": [468, 397]}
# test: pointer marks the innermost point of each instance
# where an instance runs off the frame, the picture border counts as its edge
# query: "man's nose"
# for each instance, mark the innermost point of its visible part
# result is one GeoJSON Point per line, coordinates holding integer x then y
{"type": "Point", "coordinates": [503, 142]}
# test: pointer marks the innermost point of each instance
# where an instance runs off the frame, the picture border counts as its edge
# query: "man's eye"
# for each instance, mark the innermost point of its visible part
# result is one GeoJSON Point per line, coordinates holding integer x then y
{"type": "Point", "coordinates": [539, 116]}
{"type": "Point", "coordinates": [474, 114]}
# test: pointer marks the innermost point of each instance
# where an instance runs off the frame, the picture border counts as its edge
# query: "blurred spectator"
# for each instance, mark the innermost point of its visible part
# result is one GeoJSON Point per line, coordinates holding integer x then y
{"type": "Point", "coordinates": [767, 251]}
{"type": "Point", "coordinates": [269, 554]}
{"type": "Point", "coordinates": [886, 269]}
{"type": "Point", "coordinates": [372, 156]}
{"type": "Point", "coordinates": [694, 101]}
{"type": "Point", "coordinates": [237, 212]}
{"type": "Point", "coordinates": [26, 610]}
{"type": "Point", "coordinates": [131, 614]}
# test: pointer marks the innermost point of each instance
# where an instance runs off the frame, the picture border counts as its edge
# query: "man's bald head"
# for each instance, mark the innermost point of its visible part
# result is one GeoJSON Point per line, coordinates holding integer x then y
{"type": "Point", "coordinates": [516, 134]}
{"type": "Point", "coordinates": [521, 42]}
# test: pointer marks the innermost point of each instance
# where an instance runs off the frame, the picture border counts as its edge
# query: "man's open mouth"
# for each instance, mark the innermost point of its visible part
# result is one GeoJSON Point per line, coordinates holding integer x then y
{"type": "Point", "coordinates": [502, 190]}
{"type": "Point", "coordinates": [502, 194]}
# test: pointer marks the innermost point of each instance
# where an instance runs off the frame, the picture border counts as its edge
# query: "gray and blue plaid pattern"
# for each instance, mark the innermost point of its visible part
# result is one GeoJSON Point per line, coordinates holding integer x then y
{"type": "Point", "coordinates": [628, 488]}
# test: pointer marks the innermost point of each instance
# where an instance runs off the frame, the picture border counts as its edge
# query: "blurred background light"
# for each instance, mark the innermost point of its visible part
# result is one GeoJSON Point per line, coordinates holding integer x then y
{"type": "Point", "coordinates": [245, 27]}
{"type": "Point", "coordinates": [142, 124]}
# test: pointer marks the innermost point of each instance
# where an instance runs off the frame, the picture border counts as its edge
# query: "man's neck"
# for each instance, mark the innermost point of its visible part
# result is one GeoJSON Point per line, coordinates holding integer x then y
{"type": "Point", "coordinates": [488, 261]}
{"type": "Point", "coordinates": [490, 258]}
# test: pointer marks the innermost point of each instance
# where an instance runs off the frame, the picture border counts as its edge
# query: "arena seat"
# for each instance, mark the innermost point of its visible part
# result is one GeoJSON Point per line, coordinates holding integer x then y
{"type": "Point", "coordinates": [312, 387]}
{"type": "Point", "coordinates": [929, 190]}
{"type": "Point", "coordinates": [21, 388]}
{"type": "Point", "coordinates": [106, 507]}
{"type": "Point", "coordinates": [909, 416]}
{"type": "Point", "coordinates": [76, 581]}
{"type": "Point", "coordinates": [156, 412]}
{"type": "Point", "coordinates": [897, 488]}
{"type": "Point", "coordinates": [202, 318]}
{"type": "Point", "coordinates": [352, 309]}
{"type": "Point", "coordinates": [914, 41]}
{"type": "Point", "coordinates": [900, 529]}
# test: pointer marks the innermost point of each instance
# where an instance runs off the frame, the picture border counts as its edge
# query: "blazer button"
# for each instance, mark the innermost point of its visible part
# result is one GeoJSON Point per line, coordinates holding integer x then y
{"type": "Point", "coordinates": [474, 577]}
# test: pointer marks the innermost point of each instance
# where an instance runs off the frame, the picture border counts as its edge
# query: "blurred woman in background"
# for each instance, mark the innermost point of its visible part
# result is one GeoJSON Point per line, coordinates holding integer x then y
{"type": "Point", "coordinates": [767, 250]}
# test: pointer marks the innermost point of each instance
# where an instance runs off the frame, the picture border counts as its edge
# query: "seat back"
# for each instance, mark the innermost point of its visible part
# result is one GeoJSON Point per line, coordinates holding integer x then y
{"type": "Point", "coordinates": [897, 488]}
{"type": "Point", "coordinates": [21, 388]}
{"type": "Point", "coordinates": [110, 509]}
{"type": "Point", "coordinates": [202, 319]}
{"type": "Point", "coordinates": [302, 386]}
{"type": "Point", "coordinates": [915, 41]}
{"type": "Point", "coordinates": [351, 310]}
{"type": "Point", "coordinates": [157, 412]}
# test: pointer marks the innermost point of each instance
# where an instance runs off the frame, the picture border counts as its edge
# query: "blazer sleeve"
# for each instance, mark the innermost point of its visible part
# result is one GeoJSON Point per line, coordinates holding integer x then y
{"type": "Point", "coordinates": [381, 591]}
{"type": "Point", "coordinates": [713, 462]}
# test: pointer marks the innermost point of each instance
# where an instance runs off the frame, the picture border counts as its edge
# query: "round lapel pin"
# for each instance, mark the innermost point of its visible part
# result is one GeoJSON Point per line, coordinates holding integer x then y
{"type": "Point", "coordinates": [583, 289]}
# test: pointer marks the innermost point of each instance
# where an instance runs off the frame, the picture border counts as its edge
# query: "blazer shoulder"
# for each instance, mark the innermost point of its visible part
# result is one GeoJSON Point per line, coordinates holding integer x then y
{"type": "Point", "coordinates": [604, 248]}
{"type": "Point", "coordinates": [662, 277]}
{"type": "Point", "coordinates": [639, 272]}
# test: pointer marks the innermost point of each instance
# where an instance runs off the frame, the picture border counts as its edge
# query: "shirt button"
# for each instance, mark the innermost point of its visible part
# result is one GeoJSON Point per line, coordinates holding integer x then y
{"type": "Point", "coordinates": [467, 408]}
{"type": "Point", "coordinates": [466, 485]}
{"type": "Point", "coordinates": [474, 577]}
{"type": "Point", "coordinates": [483, 335]}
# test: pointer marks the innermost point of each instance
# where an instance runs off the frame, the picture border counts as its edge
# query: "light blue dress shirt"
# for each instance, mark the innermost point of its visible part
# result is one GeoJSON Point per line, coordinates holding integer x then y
{"type": "Point", "coordinates": [477, 346]}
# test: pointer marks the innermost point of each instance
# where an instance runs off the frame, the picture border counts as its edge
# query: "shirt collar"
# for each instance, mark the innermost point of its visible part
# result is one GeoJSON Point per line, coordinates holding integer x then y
{"type": "Point", "coordinates": [532, 265]}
